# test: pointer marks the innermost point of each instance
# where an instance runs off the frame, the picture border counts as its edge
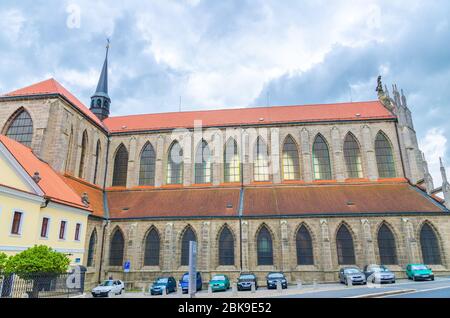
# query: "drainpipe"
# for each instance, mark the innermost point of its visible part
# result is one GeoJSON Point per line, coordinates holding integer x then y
{"type": "Point", "coordinates": [241, 198]}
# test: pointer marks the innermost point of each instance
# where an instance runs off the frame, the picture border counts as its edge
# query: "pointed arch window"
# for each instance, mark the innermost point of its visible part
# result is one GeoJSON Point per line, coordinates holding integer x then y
{"type": "Point", "coordinates": [261, 161]}
{"type": "Point", "coordinates": [291, 162]}
{"type": "Point", "coordinates": [188, 236]}
{"type": "Point", "coordinates": [152, 248]}
{"type": "Point", "coordinates": [91, 250]}
{"type": "Point", "coordinates": [175, 164]}
{"type": "Point", "coordinates": [345, 248]}
{"type": "Point", "coordinates": [352, 155]}
{"type": "Point", "coordinates": [147, 166]}
{"type": "Point", "coordinates": [21, 128]}
{"type": "Point", "coordinates": [232, 164]}
{"type": "Point", "coordinates": [84, 145]}
{"type": "Point", "coordinates": [305, 255]}
{"type": "Point", "coordinates": [120, 167]}
{"type": "Point", "coordinates": [97, 158]}
{"type": "Point", "coordinates": [264, 247]}
{"type": "Point", "coordinates": [226, 247]}
{"type": "Point", "coordinates": [69, 150]}
{"type": "Point", "coordinates": [430, 247]}
{"type": "Point", "coordinates": [116, 249]}
{"type": "Point", "coordinates": [385, 158]}
{"type": "Point", "coordinates": [203, 167]}
{"type": "Point", "coordinates": [386, 246]}
{"type": "Point", "coordinates": [321, 159]}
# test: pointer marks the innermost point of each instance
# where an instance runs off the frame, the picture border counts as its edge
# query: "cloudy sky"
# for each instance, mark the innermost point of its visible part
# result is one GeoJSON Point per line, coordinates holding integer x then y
{"type": "Point", "coordinates": [235, 53]}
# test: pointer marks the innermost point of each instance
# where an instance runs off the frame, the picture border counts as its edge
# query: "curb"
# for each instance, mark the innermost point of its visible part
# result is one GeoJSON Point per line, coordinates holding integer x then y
{"type": "Point", "coordinates": [388, 293]}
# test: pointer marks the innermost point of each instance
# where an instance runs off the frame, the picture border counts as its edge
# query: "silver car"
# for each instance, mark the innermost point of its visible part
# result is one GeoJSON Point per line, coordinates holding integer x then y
{"type": "Point", "coordinates": [379, 274]}
{"type": "Point", "coordinates": [108, 288]}
{"type": "Point", "coordinates": [352, 275]}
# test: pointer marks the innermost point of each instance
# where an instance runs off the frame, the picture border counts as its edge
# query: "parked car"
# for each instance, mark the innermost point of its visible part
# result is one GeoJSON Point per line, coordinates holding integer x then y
{"type": "Point", "coordinates": [352, 273]}
{"type": "Point", "coordinates": [163, 284]}
{"type": "Point", "coordinates": [108, 287]}
{"type": "Point", "coordinates": [378, 274]}
{"type": "Point", "coordinates": [246, 280]}
{"type": "Point", "coordinates": [184, 282]}
{"type": "Point", "coordinates": [419, 272]}
{"type": "Point", "coordinates": [274, 277]}
{"type": "Point", "coordinates": [219, 283]}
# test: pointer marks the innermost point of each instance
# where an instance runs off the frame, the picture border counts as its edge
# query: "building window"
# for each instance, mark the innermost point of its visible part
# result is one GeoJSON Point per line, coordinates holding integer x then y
{"type": "Point", "coordinates": [17, 223]}
{"type": "Point", "coordinates": [352, 156]}
{"type": "Point", "coordinates": [175, 164]}
{"type": "Point", "coordinates": [147, 167]}
{"type": "Point", "coordinates": [77, 231]}
{"type": "Point", "coordinates": [91, 251]}
{"type": "Point", "coordinates": [21, 128]}
{"type": "Point", "coordinates": [430, 247]}
{"type": "Point", "coordinates": [305, 254]}
{"type": "Point", "coordinates": [116, 249]}
{"type": "Point", "coordinates": [69, 151]}
{"type": "Point", "coordinates": [152, 245]}
{"type": "Point", "coordinates": [385, 158]}
{"type": "Point", "coordinates": [261, 161]}
{"type": "Point", "coordinates": [345, 249]}
{"type": "Point", "coordinates": [386, 246]}
{"type": "Point", "coordinates": [291, 162]}
{"type": "Point", "coordinates": [84, 145]}
{"type": "Point", "coordinates": [97, 158]}
{"type": "Point", "coordinates": [226, 247]}
{"type": "Point", "coordinates": [44, 227]}
{"type": "Point", "coordinates": [203, 164]}
{"type": "Point", "coordinates": [188, 236]}
{"type": "Point", "coordinates": [62, 230]}
{"type": "Point", "coordinates": [321, 159]}
{"type": "Point", "coordinates": [120, 167]}
{"type": "Point", "coordinates": [264, 247]}
{"type": "Point", "coordinates": [232, 164]}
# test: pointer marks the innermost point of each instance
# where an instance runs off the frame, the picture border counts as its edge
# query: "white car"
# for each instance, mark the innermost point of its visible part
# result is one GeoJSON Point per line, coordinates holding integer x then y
{"type": "Point", "coordinates": [108, 287]}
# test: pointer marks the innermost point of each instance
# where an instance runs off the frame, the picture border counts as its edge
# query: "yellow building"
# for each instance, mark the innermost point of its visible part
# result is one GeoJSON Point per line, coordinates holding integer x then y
{"type": "Point", "coordinates": [37, 207]}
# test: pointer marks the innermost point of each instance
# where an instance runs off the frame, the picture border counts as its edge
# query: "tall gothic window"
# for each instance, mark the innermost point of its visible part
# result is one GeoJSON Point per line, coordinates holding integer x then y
{"type": "Point", "coordinates": [321, 159]}
{"type": "Point", "coordinates": [147, 166]}
{"type": "Point", "coordinates": [352, 156]}
{"type": "Point", "coordinates": [91, 250]}
{"type": "Point", "coordinates": [264, 247]}
{"type": "Point", "coordinates": [386, 246]}
{"type": "Point", "coordinates": [344, 244]}
{"type": "Point", "coordinates": [69, 150]}
{"type": "Point", "coordinates": [116, 249]}
{"type": "Point", "coordinates": [120, 167]}
{"type": "Point", "coordinates": [261, 161]}
{"type": "Point", "coordinates": [175, 164]}
{"type": "Point", "coordinates": [291, 162]}
{"type": "Point", "coordinates": [226, 247]}
{"type": "Point", "coordinates": [97, 158]}
{"type": "Point", "coordinates": [232, 165]}
{"type": "Point", "coordinates": [152, 246]}
{"type": "Point", "coordinates": [430, 247]}
{"type": "Point", "coordinates": [304, 245]}
{"type": "Point", "coordinates": [203, 167]}
{"type": "Point", "coordinates": [84, 145]}
{"type": "Point", "coordinates": [385, 158]}
{"type": "Point", "coordinates": [188, 236]}
{"type": "Point", "coordinates": [21, 127]}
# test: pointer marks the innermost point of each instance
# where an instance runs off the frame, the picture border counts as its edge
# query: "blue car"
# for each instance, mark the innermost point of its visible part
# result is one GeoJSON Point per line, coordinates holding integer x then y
{"type": "Point", "coordinates": [184, 282]}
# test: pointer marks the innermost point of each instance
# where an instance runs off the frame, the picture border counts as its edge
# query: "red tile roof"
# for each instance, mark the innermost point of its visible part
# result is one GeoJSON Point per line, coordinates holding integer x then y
{"type": "Point", "coordinates": [51, 182]}
{"type": "Point", "coordinates": [94, 193]}
{"type": "Point", "coordinates": [251, 116]}
{"type": "Point", "coordinates": [50, 87]}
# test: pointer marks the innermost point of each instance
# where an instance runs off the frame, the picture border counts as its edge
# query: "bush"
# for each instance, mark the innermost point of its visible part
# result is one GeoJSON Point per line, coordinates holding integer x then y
{"type": "Point", "coordinates": [38, 259]}
{"type": "Point", "coordinates": [3, 260]}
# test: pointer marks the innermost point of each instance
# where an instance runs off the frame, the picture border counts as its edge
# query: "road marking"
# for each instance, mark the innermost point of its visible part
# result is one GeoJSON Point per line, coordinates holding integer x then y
{"type": "Point", "coordinates": [387, 293]}
{"type": "Point", "coordinates": [422, 290]}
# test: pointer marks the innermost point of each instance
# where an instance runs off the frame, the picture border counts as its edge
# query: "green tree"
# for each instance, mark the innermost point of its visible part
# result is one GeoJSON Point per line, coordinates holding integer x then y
{"type": "Point", "coordinates": [3, 260]}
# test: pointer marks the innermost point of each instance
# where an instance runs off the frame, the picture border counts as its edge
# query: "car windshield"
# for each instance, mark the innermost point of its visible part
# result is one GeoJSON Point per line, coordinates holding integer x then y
{"type": "Point", "coordinates": [185, 278]}
{"type": "Point", "coordinates": [380, 269]}
{"type": "Point", "coordinates": [107, 283]}
{"type": "Point", "coordinates": [418, 267]}
{"type": "Point", "coordinates": [351, 271]}
{"type": "Point", "coordinates": [162, 281]}
{"type": "Point", "coordinates": [275, 275]}
{"type": "Point", "coordinates": [218, 277]}
{"type": "Point", "coordinates": [246, 277]}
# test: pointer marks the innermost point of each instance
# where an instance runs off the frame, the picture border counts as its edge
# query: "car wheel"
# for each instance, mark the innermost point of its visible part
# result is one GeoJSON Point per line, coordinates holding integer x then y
{"type": "Point", "coordinates": [432, 278]}
{"type": "Point", "coordinates": [414, 278]}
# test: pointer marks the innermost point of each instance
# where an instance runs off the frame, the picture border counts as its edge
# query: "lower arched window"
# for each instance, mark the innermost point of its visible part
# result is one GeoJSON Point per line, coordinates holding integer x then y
{"type": "Point", "coordinates": [304, 245]}
{"type": "Point", "coordinates": [264, 247]}
{"type": "Point", "coordinates": [152, 244]}
{"type": "Point", "coordinates": [188, 236]}
{"type": "Point", "coordinates": [345, 248]}
{"type": "Point", "coordinates": [226, 247]}
{"type": "Point", "coordinates": [116, 249]}
{"type": "Point", "coordinates": [91, 250]}
{"type": "Point", "coordinates": [430, 247]}
{"type": "Point", "coordinates": [386, 246]}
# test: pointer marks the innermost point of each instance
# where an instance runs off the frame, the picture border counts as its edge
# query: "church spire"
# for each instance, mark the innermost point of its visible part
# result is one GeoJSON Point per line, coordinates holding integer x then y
{"type": "Point", "coordinates": [100, 101]}
{"type": "Point", "coordinates": [445, 185]}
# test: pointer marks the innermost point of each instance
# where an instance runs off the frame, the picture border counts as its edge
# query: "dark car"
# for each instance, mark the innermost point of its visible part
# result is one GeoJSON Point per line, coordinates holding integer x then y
{"type": "Point", "coordinates": [273, 278]}
{"type": "Point", "coordinates": [379, 274]}
{"type": "Point", "coordinates": [163, 284]}
{"type": "Point", "coordinates": [246, 280]}
{"type": "Point", "coordinates": [184, 282]}
{"type": "Point", "coordinates": [352, 274]}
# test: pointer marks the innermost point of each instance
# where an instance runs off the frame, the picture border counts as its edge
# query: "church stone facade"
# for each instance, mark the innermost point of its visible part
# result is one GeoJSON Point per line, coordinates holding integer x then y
{"type": "Point", "coordinates": [314, 188]}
